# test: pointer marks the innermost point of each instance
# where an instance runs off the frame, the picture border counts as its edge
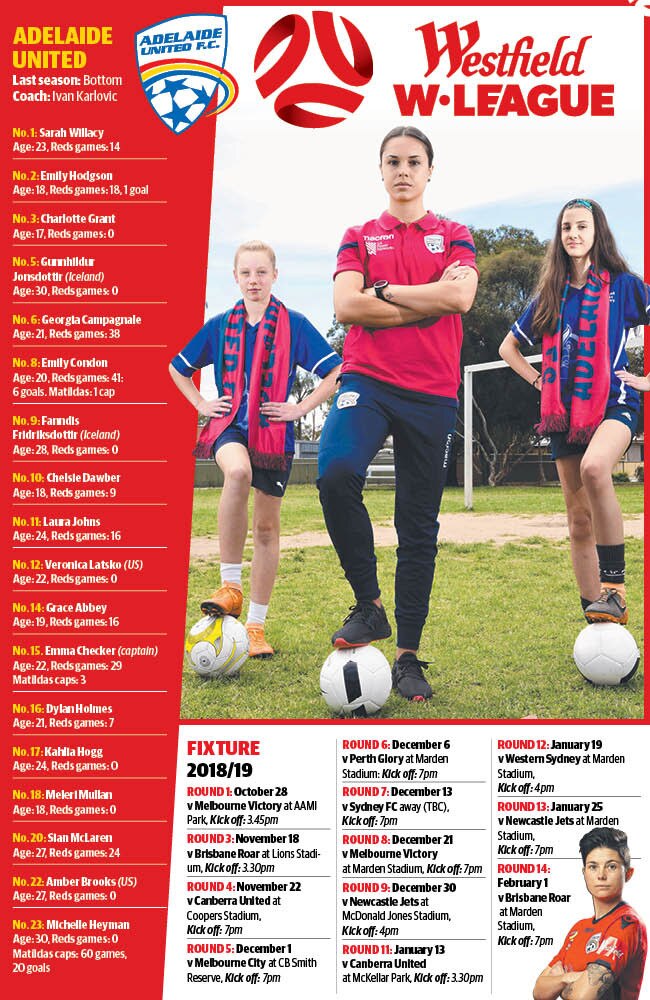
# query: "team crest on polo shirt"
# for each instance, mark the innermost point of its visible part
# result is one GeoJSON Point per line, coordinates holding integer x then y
{"type": "Point", "coordinates": [592, 943]}
{"type": "Point", "coordinates": [434, 243]}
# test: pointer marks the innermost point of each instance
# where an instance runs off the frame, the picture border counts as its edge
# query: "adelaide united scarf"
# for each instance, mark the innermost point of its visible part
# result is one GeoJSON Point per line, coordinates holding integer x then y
{"type": "Point", "coordinates": [592, 374]}
{"type": "Point", "coordinates": [268, 382]}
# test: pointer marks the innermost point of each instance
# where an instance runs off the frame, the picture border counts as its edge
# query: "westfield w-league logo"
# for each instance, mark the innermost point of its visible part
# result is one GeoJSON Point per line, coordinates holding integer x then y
{"type": "Point", "coordinates": [342, 97]}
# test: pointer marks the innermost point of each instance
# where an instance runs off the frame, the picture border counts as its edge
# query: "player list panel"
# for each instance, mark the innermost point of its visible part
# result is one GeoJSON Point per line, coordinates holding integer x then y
{"type": "Point", "coordinates": [101, 287]}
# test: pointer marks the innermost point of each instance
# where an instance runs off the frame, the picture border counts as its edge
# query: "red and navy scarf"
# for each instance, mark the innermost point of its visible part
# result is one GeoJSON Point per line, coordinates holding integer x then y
{"type": "Point", "coordinates": [592, 372]}
{"type": "Point", "coordinates": [268, 383]}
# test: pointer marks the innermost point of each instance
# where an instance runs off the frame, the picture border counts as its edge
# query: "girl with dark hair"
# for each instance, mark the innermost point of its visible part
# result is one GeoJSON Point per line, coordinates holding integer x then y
{"type": "Point", "coordinates": [585, 305]}
{"type": "Point", "coordinates": [402, 281]}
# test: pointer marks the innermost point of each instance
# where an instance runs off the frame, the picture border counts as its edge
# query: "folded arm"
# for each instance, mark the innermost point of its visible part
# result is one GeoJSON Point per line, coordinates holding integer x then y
{"type": "Point", "coordinates": [454, 292]}
{"type": "Point", "coordinates": [552, 981]}
{"type": "Point", "coordinates": [403, 304]}
{"type": "Point", "coordinates": [594, 983]}
{"type": "Point", "coordinates": [351, 305]}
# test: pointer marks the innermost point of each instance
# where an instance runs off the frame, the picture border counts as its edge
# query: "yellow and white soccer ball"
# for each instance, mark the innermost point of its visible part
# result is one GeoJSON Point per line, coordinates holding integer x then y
{"type": "Point", "coordinates": [217, 646]}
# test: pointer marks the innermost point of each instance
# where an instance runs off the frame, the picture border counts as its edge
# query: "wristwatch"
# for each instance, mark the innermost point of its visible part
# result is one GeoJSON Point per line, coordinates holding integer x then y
{"type": "Point", "coordinates": [379, 287]}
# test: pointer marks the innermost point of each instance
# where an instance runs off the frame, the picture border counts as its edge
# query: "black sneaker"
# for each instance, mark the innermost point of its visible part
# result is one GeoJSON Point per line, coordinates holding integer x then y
{"type": "Point", "coordinates": [365, 623]}
{"type": "Point", "coordinates": [408, 679]}
{"type": "Point", "coordinates": [610, 607]}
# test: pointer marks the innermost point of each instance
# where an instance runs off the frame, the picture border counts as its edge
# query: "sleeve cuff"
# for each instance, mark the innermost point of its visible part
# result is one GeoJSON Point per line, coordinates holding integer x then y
{"type": "Point", "coordinates": [517, 332]}
{"type": "Point", "coordinates": [352, 265]}
{"type": "Point", "coordinates": [182, 365]}
{"type": "Point", "coordinates": [326, 364]}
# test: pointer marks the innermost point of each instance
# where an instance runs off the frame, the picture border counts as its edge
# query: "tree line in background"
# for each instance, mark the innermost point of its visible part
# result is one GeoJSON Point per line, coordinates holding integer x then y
{"type": "Point", "coordinates": [506, 409]}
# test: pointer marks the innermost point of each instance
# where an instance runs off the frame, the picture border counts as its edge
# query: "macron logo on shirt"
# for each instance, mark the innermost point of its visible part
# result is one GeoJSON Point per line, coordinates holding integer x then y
{"type": "Point", "coordinates": [374, 244]}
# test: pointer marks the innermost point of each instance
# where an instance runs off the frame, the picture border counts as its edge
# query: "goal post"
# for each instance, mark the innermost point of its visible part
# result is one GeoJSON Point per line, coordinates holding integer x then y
{"type": "Point", "coordinates": [468, 419]}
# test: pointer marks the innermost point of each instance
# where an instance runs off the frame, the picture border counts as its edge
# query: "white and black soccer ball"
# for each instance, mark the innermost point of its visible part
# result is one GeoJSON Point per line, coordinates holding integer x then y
{"type": "Point", "coordinates": [356, 681]}
{"type": "Point", "coordinates": [217, 646]}
{"type": "Point", "coordinates": [606, 654]}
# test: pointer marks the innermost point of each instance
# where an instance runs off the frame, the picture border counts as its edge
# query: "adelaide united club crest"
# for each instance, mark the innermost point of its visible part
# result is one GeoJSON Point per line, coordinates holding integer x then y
{"type": "Point", "coordinates": [181, 64]}
{"type": "Point", "coordinates": [434, 243]}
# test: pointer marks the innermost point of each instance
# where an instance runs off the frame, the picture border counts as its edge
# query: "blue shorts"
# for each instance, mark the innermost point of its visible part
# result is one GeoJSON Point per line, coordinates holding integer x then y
{"type": "Point", "coordinates": [560, 447]}
{"type": "Point", "coordinates": [272, 482]}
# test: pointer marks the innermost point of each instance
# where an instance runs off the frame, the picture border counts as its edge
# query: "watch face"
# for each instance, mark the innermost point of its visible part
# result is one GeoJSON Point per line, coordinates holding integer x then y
{"type": "Point", "coordinates": [381, 284]}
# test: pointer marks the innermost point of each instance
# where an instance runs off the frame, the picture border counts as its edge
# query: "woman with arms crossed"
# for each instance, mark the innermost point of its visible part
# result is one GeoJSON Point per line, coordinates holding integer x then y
{"type": "Point", "coordinates": [603, 957]}
{"type": "Point", "coordinates": [402, 281]}
{"type": "Point", "coordinates": [585, 304]}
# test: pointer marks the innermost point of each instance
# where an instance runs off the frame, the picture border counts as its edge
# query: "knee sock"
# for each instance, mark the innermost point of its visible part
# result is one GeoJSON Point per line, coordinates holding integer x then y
{"type": "Point", "coordinates": [611, 560]}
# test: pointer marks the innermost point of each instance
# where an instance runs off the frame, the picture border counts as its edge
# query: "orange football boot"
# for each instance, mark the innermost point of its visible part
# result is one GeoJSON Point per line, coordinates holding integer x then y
{"type": "Point", "coordinates": [258, 647]}
{"type": "Point", "coordinates": [227, 600]}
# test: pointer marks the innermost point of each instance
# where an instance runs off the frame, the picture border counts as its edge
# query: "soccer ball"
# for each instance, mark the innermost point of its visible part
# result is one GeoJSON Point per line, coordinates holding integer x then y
{"type": "Point", "coordinates": [355, 681]}
{"type": "Point", "coordinates": [217, 646]}
{"type": "Point", "coordinates": [606, 654]}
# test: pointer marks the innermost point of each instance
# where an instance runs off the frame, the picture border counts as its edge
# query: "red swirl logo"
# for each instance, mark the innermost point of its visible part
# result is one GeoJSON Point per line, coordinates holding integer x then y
{"type": "Point", "coordinates": [290, 101]}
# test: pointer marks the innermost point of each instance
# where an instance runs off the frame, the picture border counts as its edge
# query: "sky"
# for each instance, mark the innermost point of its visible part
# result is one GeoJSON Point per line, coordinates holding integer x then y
{"type": "Point", "coordinates": [299, 189]}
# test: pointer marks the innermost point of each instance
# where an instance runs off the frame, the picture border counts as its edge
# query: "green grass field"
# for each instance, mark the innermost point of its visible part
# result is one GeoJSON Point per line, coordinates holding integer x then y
{"type": "Point", "coordinates": [301, 509]}
{"type": "Point", "coordinates": [499, 635]}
